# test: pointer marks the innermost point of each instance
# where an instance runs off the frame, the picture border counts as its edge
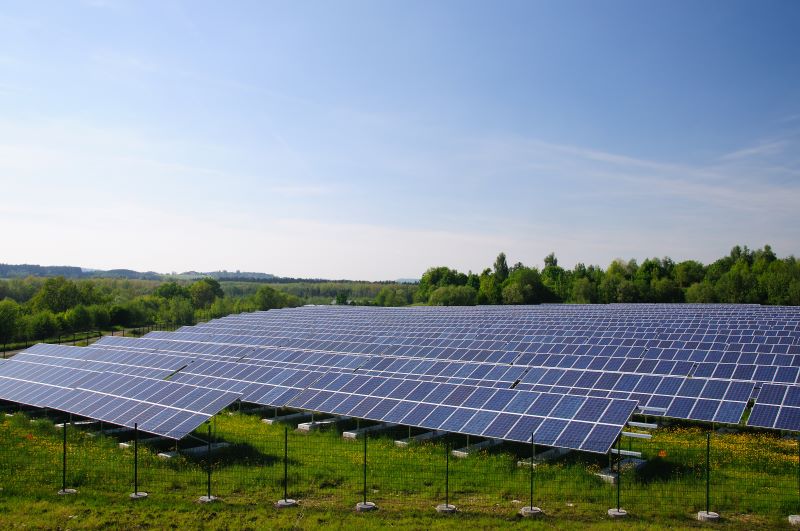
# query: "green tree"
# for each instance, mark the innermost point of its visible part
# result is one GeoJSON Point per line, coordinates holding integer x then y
{"type": "Point", "coordinates": [170, 290]}
{"type": "Point", "coordinates": [342, 297]}
{"type": "Point", "coordinates": [78, 319]}
{"type": "Point", "coordinates": [205, 291]}
{"type": "Point", "coordinates": [42, 325]}
{"type": "Point", "coordinates": [524, 286]}
{"type": "Point", "coordinates": [701, 292]}
{"type": "Point", "coordinates": [453, 296]}
{"type": "Point", "coordinates": [437, 277]}
{"type": "Point", "coordinates": [501, 268]}
{"type": "Point", "coordinates": [268, 298]}
{"type": "Point", "coordinates": [490, 291]}
{"type": "Point", "coordinates": [688, 272]}
{"type": "Point", "coordinates": [583, 291]}
{"type": "Point", "coordinates": [57, 295]}
{"type": "Point", "coordinates": [9, 320]}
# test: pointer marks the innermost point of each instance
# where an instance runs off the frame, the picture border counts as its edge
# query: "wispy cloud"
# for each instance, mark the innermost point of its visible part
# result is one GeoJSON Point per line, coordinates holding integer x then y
{"type": "Point", "coordinates": [760, 150]}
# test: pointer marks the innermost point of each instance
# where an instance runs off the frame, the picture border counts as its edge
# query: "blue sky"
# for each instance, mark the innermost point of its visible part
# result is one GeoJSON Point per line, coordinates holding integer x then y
{"type": "Point", "coordinates": [374, 139]}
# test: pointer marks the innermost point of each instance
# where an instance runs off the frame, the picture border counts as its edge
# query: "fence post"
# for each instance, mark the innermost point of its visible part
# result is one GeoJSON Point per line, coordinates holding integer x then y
{"type": "Point", "coordinates": [618, 512]}
{"type": "Point", "coordinates": [707, 515]}
{"type": "Point", "coordinates": [286, 501]}
{"type": "Point", "coordinates": [365, 505]}
{"type": "Point", "coordinates": [136, 495]}
{"type": "Point", "coordinates": [447, 507]}
{"type": "Point", "coordinates": [64, 490]}
{"type": "Point", "coordinates": [531, 510]}
{"type": "Point", "coordinates": [208, 497]}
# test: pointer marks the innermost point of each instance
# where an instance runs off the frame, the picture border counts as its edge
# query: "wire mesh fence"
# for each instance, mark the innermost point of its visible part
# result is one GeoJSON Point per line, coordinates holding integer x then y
{"type": "Point", "coordinates": [672, 475]}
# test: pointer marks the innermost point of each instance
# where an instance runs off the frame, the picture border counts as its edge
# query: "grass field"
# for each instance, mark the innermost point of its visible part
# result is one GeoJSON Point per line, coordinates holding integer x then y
{"type": "Point", "coordinates": [754, 482]}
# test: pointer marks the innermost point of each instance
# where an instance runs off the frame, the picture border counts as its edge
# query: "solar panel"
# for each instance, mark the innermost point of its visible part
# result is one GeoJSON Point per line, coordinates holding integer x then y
{"type": "Point", "coordinates": [777, 407]}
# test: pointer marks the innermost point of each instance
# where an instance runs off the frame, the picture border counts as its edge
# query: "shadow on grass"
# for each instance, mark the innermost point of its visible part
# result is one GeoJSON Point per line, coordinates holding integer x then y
{"type": "Point", "coordinates": [238, 454]}
{"type": "Point", "coordinates": [658, 469]}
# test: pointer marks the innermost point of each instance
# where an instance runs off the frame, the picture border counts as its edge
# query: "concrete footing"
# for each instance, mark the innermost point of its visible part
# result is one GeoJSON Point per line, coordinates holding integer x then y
{"type": "Point", "coordinates": [76, 423]}
{"type": "Point", "coordinates": [709, 516]}
{"type": "Point", "coordinates": [528, 512]}
{"type": "Point", "coordinates": [464, 452]}
{"type": "Point", "coordinates": [207, 499]}
{"type": "Point", "coordinates": [195, 450]}
{"type": "Point", "coordinates": [427, 436]}
{"type": "Point", "coordinates": [446, 508]}
{"type": "Point", "coordinates": [292, 417]}
{"type": "Point", "coordinates": [138, 495]}
{"type": "Point", "coordinates": [364, 507]}
{"type": "Point", "coordinates": [355, 434]}
{"type": "Point", "coordinates": [285, 503]}
{"type": "Point", "coordinates": [320, 424]}
{"type": "Point", "coordinates": [67, 492]}
{"type": "Point", "coordinates": [794, 519]}
{"type": "Point", "coordinates": [617, 513]}
{"type": "Point", "coordinates": [149, 440]}
{"type": "Point", "coordinates": [548, 455]}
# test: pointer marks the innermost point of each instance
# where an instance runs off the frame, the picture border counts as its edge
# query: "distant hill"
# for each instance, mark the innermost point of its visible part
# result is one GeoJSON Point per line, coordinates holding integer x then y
{"type": "Point", "coordinates": [31, 270]}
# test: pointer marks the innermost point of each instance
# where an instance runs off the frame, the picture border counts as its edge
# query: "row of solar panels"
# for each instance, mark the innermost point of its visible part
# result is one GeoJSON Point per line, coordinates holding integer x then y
{"type": "Point", "coordinates": [759, 368]}
{"type": "Point", "coordinates": [593, 427]}
{"type": "Point", "coordinates": [156, 406]}
{"type": "Point", "coordinates": [291, 377]}
{"type": "Point", "coordinates": [695, 398]}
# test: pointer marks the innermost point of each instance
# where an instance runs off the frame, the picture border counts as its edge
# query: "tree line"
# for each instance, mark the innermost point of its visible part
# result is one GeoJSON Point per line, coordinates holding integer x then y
{"type": "Point", "coordinates": [38, 308]}
{"type": "Point", "coordinates": [744, 276]}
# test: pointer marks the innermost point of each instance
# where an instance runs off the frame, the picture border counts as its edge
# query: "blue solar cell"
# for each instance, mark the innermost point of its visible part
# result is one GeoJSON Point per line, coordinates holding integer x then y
{"type": "Point", "coordinates": [618, 413]}
{"type": "Point", "coordinates": [704, 409]}
{"type": "Point", "coordinates": [439, 393]}
{"type": "Point", "coordinates": [567, 407]}
{"type": "Point", "coordinates": [344, 407]}
{"type": "Point", "coordinates": [771, 394]}
{"type": "Point", "coordinates": [681, 407]}
{"type": "Point", "coordinates": [543, 405]}
{"type": "Point", "coordinates": [361, 409]}
{"type": "Point", "coordinates": [417, 414]}
{"type": "Point", "coordinates": [730, 412]}
{"type": "Point", "coordinates": [765, 373]}
{"type": "Point", "coordinates": [792, 397]}
{"type": "Point", "coordinates": [478, 397]}
{"type": "Point", "coordinates": [739, 391]}
{"type": "Point", "coordinates": [786, 375]}
{"type": "Point", "coordinates": [501, 425]}
{"type": "Point", "coordinates": [523, 428]}
{"type": "Point", "coordinates": [381, 409]}
{"type": "Point", "coordinates": [458, 419]}
{"type": "Point", "coordinates": [521, 402]}
{"type": "Point", "coordinates": [549, 431]}
{"type": "Point", "coordinates": [478, 423]}
{"type": "Point", "coordinates": [458, 396]}
{"type": "Point", "coordinates": [591, 410]}
{"type": "Point", "coordinates": [421, 391]}
{"type": "Point", "coordinates": [715, 389]}
{"type": "Point", "coordinates": [574, 434]}
{"type": "Point", "coordinates": [788, 419]}
{"type": "Point", "coordinates": [438, 416]}
{"type": "Point", "coordinates": [724, 370]}
{"type": "Point", "coordinates": [692, 388]}
{"type": "Point", "coordinates": [399, 411]}
{"type": "Point", "coordinates": [499, 400]}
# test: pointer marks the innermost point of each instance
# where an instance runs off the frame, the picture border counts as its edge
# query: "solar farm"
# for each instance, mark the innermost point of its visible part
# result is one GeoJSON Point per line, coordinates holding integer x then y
{"type": "Point", "coordinates": [609, 406]}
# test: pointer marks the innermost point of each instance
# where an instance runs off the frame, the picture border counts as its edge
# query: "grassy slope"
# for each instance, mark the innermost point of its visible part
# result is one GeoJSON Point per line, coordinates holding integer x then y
{"type": "Point", "coordinates": [754, 483]}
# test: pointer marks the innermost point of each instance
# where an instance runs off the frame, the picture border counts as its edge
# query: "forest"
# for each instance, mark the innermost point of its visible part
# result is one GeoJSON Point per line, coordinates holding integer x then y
{"type": "Point", "coordinates": [46, 307]}
{"type": "Point", "coordinates": [744, 276]}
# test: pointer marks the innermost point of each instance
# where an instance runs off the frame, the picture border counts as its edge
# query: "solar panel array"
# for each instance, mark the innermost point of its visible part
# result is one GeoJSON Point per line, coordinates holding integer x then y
{"type": "Point", "coordinates": [571, 375]}
{"type": "Point", "coordinates": [119, 387]}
